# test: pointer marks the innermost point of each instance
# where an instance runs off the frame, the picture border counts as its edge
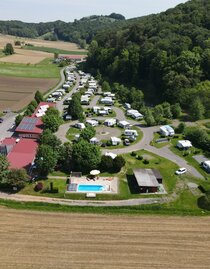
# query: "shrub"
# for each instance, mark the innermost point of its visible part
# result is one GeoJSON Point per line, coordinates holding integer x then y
{"type": "Point", "coordinates": [118, 163]}
{"type": "Point", "coordinates": [145, 161]}
{"type": "Point", "coordinates": [140, 157]}
{"type": "Point", "coordinates": [108, 143]}
{"type": "Point", "coordinates": [39, 186]}
{"type": "Point", "coordinates": [133, 153]}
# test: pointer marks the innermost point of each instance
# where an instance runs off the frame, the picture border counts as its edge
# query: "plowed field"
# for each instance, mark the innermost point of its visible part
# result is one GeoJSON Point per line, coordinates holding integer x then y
{"type": "Point", "coordinates": [57, 241]}
{"type": "Point", "coordinates": [16, 93]}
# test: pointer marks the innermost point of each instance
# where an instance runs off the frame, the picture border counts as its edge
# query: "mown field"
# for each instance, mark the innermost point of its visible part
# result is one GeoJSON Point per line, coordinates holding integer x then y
{"type": "Point", "coordinates": [58, 240]}
{"type": "Point", "coordinates": [17, 92]}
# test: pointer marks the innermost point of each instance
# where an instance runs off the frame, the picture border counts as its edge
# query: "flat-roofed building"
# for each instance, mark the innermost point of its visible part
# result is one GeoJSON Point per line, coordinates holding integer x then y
{"type": "Point", "coordinates": [146, 180]}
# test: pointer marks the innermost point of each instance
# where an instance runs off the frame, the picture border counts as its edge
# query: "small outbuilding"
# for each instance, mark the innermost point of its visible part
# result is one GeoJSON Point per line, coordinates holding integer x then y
{"type": "Point", "coordinates": [146, 180]}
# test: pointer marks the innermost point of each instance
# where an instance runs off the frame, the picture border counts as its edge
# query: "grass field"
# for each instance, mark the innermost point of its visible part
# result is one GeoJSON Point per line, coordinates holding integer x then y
{"type": "Point", "coordinates": [17, 92]}
{"type": "Point", "coordinates": [45, 69]}
{"type": "Point", "coordinates": [58, 240]}
{"type": "Point", "coordinates": [54, 50]}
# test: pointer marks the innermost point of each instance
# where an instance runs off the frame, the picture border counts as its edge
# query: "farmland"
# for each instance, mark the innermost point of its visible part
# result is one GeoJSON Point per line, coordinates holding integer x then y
{"type": "Point", "coordinates": [49, 240]}
{"type": "Point", "coordinates": [27, 71]}
{"type": "Point", "coordinates": [17, 92]}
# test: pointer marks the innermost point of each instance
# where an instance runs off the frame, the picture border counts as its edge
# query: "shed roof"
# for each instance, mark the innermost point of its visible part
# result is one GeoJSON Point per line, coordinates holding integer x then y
{"type": "Point", "coordinates": [145, 178]}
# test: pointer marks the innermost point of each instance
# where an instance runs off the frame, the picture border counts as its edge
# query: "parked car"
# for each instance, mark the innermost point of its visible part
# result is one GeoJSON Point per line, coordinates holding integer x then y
{"type": "Point", "coordinates": [181, 171]}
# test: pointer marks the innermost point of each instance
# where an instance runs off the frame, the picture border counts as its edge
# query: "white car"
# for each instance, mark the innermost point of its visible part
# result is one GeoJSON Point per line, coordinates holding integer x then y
{"type": "Point", "coordinates": [181, 171]}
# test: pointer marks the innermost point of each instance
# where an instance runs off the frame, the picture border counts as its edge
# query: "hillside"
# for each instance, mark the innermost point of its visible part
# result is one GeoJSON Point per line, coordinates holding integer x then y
{"type": "Point", "coordinates": [80, 31]}
{"type": "Point", "coordinates": [166, 55]}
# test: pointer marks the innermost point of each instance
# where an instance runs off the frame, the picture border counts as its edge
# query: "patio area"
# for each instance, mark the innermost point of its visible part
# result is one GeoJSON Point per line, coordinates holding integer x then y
{"type": "Point", "coordinates": [103, 185]}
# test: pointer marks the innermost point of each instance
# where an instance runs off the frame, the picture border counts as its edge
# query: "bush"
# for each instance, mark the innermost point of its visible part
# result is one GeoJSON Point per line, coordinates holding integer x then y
{"type": "Point", "coordinates": [39, 186]}
{"type": "Point", "coordinates": [140, 157]}
{"type": "Point", "coordinates": [145, 161]}
{"type": "Point", "coordinates": [108, 143]}
{"type": "Point", "coordinates": [133, 153]}
{"type": "Point", "coordinates": [118, 163]}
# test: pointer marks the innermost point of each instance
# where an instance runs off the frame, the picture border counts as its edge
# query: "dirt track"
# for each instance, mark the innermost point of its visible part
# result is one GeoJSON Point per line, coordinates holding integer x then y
{"type": "Point", "coordinates": [54, 240]}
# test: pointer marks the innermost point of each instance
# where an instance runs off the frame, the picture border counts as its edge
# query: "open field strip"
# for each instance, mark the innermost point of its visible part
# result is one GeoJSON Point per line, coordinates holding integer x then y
{"type": "Point", "coordinates": [17, 92]}
{"type": "Point", "coordinates": [38, 42]}
{"type": "Point", "coordinates": [48, 240]}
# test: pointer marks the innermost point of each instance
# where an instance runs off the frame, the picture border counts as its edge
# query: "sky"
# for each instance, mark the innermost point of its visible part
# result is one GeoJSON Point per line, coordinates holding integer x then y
{"type": "Point", "coordinates": [68, 10]}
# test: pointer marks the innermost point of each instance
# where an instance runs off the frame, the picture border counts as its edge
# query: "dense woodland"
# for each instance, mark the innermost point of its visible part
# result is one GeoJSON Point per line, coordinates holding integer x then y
{"type": "Point", "coordinates": [80, 31]}
{"type": "Point", "coordinates": [166, 55]}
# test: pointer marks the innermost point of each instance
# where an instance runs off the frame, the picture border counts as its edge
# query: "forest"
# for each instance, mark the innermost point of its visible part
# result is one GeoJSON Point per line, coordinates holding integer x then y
{"type": "Point", "coordinates": [166, 56]}
{"type": "Point", "coordinates": [80, 31]}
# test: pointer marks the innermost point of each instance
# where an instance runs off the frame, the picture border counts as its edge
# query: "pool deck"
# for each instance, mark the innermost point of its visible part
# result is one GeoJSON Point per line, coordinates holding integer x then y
{"type": "Point", "coordinates": [110, 184]}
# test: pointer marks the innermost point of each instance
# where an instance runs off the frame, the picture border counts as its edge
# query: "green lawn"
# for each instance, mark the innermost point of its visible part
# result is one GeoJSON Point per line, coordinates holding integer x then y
{"type": "Point", "coordinates": [45, 69]}
{"type": "Point", "coordinates": [158, 144]}
{"type": "Point", "coordinates": [54, 50]}
{"type": "Point", "coordinates": [72, 132]}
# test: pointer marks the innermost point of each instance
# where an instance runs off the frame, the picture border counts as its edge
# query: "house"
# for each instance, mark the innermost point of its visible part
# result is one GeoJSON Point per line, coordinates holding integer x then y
{"type": "Point", "coordinates": [93, 123]}
{"type": "Point", "coordinates": [146, 180]}
{"type": "Point", "coordinates": [206, 165]}
{"type": "Point", "coordinates": [184, 144]}
{"type": "Point", "coordinates": [42, 108]}
{"type": "Point", "coordinates": [129, 132]}
{"type": "Point", "coordinates": [123, 124]}
{"type": "Point", "coordinates": [115, 141]}
{"type": "Point", "coordinates": [20, 152]}
{"type": "Point", "coordinates": [94, 141]}
{"type": "Point", "coordinates": [79, 125]}
{"type": "Point", "coordinates": [167, 130]}
{"type": "Point", "coordinates": [30, 127]}
{"type": "Point", "coordinates": [110, 154]}
{"type": "Point", "coordinates": [110, 122]}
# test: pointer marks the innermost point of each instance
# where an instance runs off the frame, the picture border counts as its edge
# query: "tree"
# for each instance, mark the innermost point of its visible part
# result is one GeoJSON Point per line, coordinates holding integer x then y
{"type": "Point", "coordinates": [106, 87]}
{"type": "Point", "coordinates": [167, 110]}
{"type": "Point", "coordinates": [38, 97]}
{"type": "Point", "coordinates": [46, 160]}
{"type": "Point", "coordinates": [88, 133]}
{"type": "Point", "coordinates": [4, 166]}
{"type": "Point", "coordinates": [8, 50]}
{"type": "Point", "coordinates": [176, 110]}
{"type": "Point", "coordinates": [148, 118]}
{"type": "Point", "coordinates": [158, 113]}
{"type": "Point", "coordinates": [48, 138]}
{"type": "Point", "coordinates": [16, 178]}
{"type": "Point", "coordinates": [118, 163]}
{"type": "Point", "coordinates": [18, 119]}
{"type": "Point", "coordinates": [52, 119]}
{"type": "Point", "coordinates": [85, 156]}
{"type": "Point", "coordinates": [181, 128]}
{"type": "Point", "coordinates": [197, 109]}
{"type": "Point", "coordinates": [106, 164]}
{"type": "Point", "coordinates": [75, 109]}
{"type": "Point", "coordinates": [65, 157]}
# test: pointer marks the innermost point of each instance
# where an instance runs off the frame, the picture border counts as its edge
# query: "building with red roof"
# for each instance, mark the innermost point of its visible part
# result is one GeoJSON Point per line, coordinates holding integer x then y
{"type": "Point", "coordinates": [20, 152]}
{"type": "Point", "coordinates": [30, 127]}
{"type": "Point", "coordinates": [42, 108]}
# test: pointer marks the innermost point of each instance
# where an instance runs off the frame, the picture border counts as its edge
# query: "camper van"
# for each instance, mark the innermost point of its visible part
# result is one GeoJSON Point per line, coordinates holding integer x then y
{"type": "Point", "coordinates": [128, 132]}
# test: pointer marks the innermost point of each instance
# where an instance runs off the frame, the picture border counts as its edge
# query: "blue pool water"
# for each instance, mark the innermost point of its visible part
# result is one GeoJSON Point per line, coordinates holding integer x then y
{"type": "Point", "coordinates": [90, 188]}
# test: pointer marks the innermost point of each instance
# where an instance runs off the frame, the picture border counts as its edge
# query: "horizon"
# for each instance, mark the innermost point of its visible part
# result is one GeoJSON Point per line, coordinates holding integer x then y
{"type": "Point", "coordinates": [68, 10]}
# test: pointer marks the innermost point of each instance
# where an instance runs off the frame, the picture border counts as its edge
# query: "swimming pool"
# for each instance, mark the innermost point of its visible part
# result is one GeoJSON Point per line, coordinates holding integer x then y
{"type": "Point", "coordinates": [90, 188]}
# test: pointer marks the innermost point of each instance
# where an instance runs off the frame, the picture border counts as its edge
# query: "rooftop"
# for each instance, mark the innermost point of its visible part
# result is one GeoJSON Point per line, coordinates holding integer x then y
{"type": "Point", "coordinates": [30, 125]}
{"type": "Point", "coordinates": [22, 153]}
{"type": "Point", "coordinates": [145, 178]}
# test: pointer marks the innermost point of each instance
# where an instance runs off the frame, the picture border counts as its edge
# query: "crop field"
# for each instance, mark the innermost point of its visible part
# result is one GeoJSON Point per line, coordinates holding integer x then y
{"type": "Point", "coordinates": [16, 93]}
{"type": "Point", "coordinates": [26, 56]}
{"type": "Point", "coordinates": [59, 240]}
